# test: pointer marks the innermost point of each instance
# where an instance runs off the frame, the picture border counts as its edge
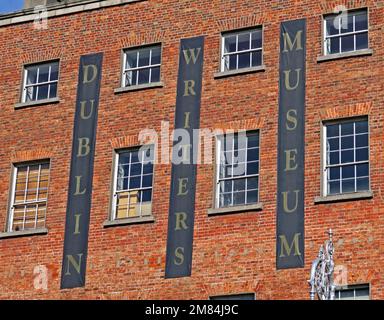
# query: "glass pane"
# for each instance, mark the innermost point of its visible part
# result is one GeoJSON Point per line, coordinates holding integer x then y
{"type": "Point", "coordinates": [134, 183]}
{"type": "Point", "coordinates": [31, 94]}
{"type": "Point", "coordinates": [144, 57]}
{"type": "Point", "coordinates": [252, 183]}
{"type": "Point", "coordinates": [244, 40]}
{"type": "Point", "coordinates": [239, 185]}
{"type": "Point", "coordinates": [135, 169]}
{"type": "Point", "coordinates": [347, 24]}
{"type": "Point", "coordinates": [225, 199]}
{"type": "Point", "coordinates": [226, 186]}
{"type": "Point", "coordinates": [146, 195]}
{"type": "Point", "coordinates": [334, 158]}
{"type": "Point", "coordinates": [361, 41]}
{"type": "Point", "coordinates": [361, 21]}
{"type": "Point", "coordinates": [131, 59]}
{"type": "Point", "coordinates": [348, 172]}
{"type": "Point", "coordinates": [362, 170]}
{"type": "Point", "coordinates": [334, 45]}
{"type": "Point", "coordinates": [53, 90]}
{"type": "Point", "coordinates": [244, 61]}
{"type": "Point", "coordinates": [148, 168]}
{"type": "Point", "coordinates": [332, 130]}
{"type": "Point", "coordinates": [334, 173]}
{"type": "Point", "coordinates": [239, 169]}
{"type": "Point", "coordinates": [43, 92]}
{"type": "Point", "coordinates": [333, 144]}
{"type": "Point", "coordinates": [347, 128]}
{"type": "Point", "coordinates": [347, 43]}
{"type": "Point", "coordinates": [253, 154]}
{"type": "Point", "coordinates": [155, 74]}
{"type": "Point", "coordinates": [346, 294]}
{"type": "Point", "coordinates": [252, 196]}
{"type": "Point", "coordinates": [44, 73]}
{"type": "Point", "coordinates": [143, 76]}
{"type": "Point", "coordinates": [253, 140]}
{"type": "Point", "coordinates": [362, 184]}
{"type": "Point", "coordinates": [239, 198]}
{"type": "Point", "coordinates": [54, 71]}
{"type": "Point", "coordinates": [361, 126]}
{"type": "Point", "coordinates": [232, 62]}
{"type": "Point", "coordinates": [131, 78]}
{"type": "Point", "coordinates": [348, 185]}
{"type": "Point", "coordinates": [252, 168]}
{"type": "Point", "coordinates": [362, 154]}
{"type": "Point", "coordinates": [257, 41]}
{"type": "Point", "coordinates": [156, 55]}
{"type": "Point", "coordinates": [362, 140]}
{"type": "Point", "coordinates": [230, 44]}
{"type": "Point", "coordinates": [347, 142]}
{"type": "Point", "coordinates": [256, 58]}
{"type": "Point", "coordinates": [32, 75]}
{"type": "Point", "coordinates": [347, 156]}
{"type": "Point", "coordinates": [332, 26]}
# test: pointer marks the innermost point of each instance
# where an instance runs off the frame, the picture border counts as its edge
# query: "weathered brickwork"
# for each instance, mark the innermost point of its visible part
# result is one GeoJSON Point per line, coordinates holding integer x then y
{"type": "Point", "coordinates": [233, 253]}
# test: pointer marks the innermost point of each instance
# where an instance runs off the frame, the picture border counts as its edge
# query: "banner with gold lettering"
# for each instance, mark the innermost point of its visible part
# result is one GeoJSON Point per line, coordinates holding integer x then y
{"type": "Point", "coordinates": [81, 174]}
{"type": "Point", "coordinates": [184, 159]}
{"type": "Point", "coordinates": [290, 174]}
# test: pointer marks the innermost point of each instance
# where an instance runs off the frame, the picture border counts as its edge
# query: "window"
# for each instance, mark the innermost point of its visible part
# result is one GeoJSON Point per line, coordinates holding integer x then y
{"type": "Point", "coordinates": [29, 197]}
{"type": "Point", "coordinates": [356, 292]}
{"type": "Point", "coordinates": [238, 170]}
{"type": "Point", "coordinates": [242, 49]}
{"type": "Point", "coordinates": [40, 81]}
{"type": "Point", "coordinates": [345, 33]}
{"type": "Point", "coordinates": [241, 296]}
{"type": "Point", "coordinates": [346, 157]}
{"type": "Point", "coordinates": [141, 66]}
{"type": "Point", "coordinates": [133, 183]}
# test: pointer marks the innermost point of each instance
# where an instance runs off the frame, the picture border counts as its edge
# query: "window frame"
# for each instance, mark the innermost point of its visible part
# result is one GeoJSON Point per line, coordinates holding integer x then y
{"type": "Point", "coordinates": [324, 166]}
{"type": "Point", "coordinates": [11, 201]}
{"type": "Point", "coordinates": [341, 35]}
{"type": "Point", "coordinates": [113, 211]}
{"type": "Point", "coordinates": [150, 67]}
{"type": "Point", "coordinates": [217, 180]}
{"type": "Point", "coordinates": [24, 85]}
{"type": "Point", "coordinates": [237, 33]}
{"type": "Point", "coordinates": [353, 287]}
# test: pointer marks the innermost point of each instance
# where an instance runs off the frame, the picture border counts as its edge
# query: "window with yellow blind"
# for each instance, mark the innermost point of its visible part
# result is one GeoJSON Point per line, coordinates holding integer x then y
{"type": "Point", "coordinates": [29, 196]}
{"type": "Point", "coordinates": [133, 183]}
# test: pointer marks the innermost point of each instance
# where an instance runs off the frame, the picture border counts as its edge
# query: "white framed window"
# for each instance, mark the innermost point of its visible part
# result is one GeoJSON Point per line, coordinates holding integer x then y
{"type": "Point", "coordinates": [354, 292]}
{"type": "Point", "coordinates": [133, 179]}
{"type": "Point", "coordinates": [141, 66]}
{"type": "Point", "coordinates": [29, 196]}
{"type": "Point", "coordinates": [346, 33]}
{"type": "Point", "coordinates": [40, 81]}
{"type": "Point", "coordinates": [237, 180]}
{"type": "Point", "coordinates": [346, 157]}
{"type": "Point", "coordinates": [242, 49]}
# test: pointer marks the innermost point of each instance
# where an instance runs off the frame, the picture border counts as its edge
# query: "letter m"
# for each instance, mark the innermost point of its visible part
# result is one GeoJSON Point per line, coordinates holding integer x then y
{"type": "Point", "coordinates": [289, 44]}
{"type": "Point", "coordinates": [284, 246]}
{"type": "Point", "coordinates": [191, 54]}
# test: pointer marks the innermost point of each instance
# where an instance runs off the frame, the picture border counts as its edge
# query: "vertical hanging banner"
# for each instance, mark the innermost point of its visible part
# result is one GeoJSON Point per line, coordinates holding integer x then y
{"type": "Point", "coordinates": [80, 179]}
{"type": "Point", "coordinates": [290, 174]}
{"type": "Point", "coordinates": [184, 159]}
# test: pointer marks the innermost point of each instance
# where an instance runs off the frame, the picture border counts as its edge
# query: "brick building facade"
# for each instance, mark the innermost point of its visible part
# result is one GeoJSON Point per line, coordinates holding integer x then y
{"type": "Point", "coordinates": [233, 253]}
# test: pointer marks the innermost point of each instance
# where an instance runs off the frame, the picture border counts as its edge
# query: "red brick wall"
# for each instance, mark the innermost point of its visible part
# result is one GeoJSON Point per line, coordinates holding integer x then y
{"type": "Point", "coordinates": [233, 253]}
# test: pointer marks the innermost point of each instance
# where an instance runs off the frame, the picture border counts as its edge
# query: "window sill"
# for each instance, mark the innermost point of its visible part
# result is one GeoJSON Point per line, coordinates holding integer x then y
{"type": "Point", "coordinates": [125, 221]}
{"type": "Point", "coordinates": [336, 56]}
{"type": "Point", "coordinates": [36, 103]}
{"type": "Point", "coordinates": [227, 210]}
{"type": "Point", "coordinates": [139, 87]}
{"type": "Point", "coordinates": [345, 197]}
{"type": "Point", "coordinates": [24, 233]}
{"type": "Point", "coordinates": [225, 74]}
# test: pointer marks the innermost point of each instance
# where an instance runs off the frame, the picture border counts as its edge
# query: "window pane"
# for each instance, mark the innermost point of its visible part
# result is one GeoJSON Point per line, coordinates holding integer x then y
{"type": "Point", "coordinates": [362, 140]}
{"type": "Point", "coordinates": [334, 173]}
{"type": "Point", "coordinates": [253, 154]}
{"type": "Point", "coordinates": [347, 156]}
{"type": "Point", "coordinates": [44, 73]}
{"type": "Point", "coordinates": [155, 74]}
{"type": "Point", "coordinates": [252, 168]}
{"type": "Point", "coordinates": [347, 142]}
{"type": "Point", "coordinates": [54, 71]}
{"type": "Point", "coordinates": [144, 57]}
{"type": "Point", "coordinates": [347, 43]}
{"type": "Point", "coordinates": [43, 92]}
{"type": "Point", "coordinates": [347, 128]}
{"type": "Point", "coordinates": [253, 140]}
{"type": "Point", "coordinates": [156, 55]}
{"type": "Point", "coordinates": [332, 26]}
{"type": "Point", "coordinates": [257, 41]}
{"type": "Point", "coordinates": [252, 183]}
{"type": "Point", "coordinates": [361, 21]}
{"type": "Point", "coordinates": [346, 24]}
{"type": "Point", "coordinates": [146, 195]}
{"type": "Point", "coordinates": [131, 78]}
{"type": "Point", "coordinates": [131, 59]}
{"type": "Point", "coordinates": [361, 41]}
{"type": "Point", "coordinates": [348, 185]}
{"type": "Point", "coordinates": [334, 187]}
{"type": "Point", "coordinates": [362, 154]}
{"type": "Point", "coordinates": [31, 94]}
{"type": "Point", "coordinates": [230, 44]}
{"type": "Point", "coordinates": [334, 158]}
{"type": "Point", "coordinates": [332, 130]}
{"type": "Point", "coordinates": [135, 169]}
{"type": "Point", "coordinates": [347, 294]}
{"type": "Point", "coordinates": [362, 184]}
{"type": "Point", "coordinates": [53, 90]}
{"type": "Point", "coordinates": [226, 186]}
{"type": "Point", "coordinates": [361, 126]}
{"type": "Point", "coordinates": [239, 185]}
{"type": "Point", "coordinates": [252, 196]}
{"type": "Point", "coordinates": [147, 181]}
{"type": "Point", "coordinates": [238, 169]}
{"type": "Point", "coordinates": [348, 172]}
{"type": "Point", "coordinates": [362, 170]}
{"type": "Point", "coordinates": [148, 168]}
{"type": "Point", "coordinates": [32, 75]}
{"type": "Point", "coordinates": [225, 199]}
{"type": "Point", "coordinates": [333, 144]}
{"type": "Point", "coordinates": [334, 45]}
{"type": "Point", "coordinates": [134, 183]}
{"type": "Point", "coordinates": [244, 41]}
{"type": "Point", "coordinates": [244, 61]}
{"type": "Point", "coordinates": [143, 76]}
{"type": "Point", "coordinates": [256, 58]}
{"type": "Point", "coordinates": [239, 198]}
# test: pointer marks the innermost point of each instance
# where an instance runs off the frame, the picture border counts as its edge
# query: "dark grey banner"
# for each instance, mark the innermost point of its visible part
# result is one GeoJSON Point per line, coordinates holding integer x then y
{"type": "Point", "coordinates": [290, 174]}
{"type": "Point", "coordinates": [183, 179]}
{"type": "Point", "coordinates": [80, 179]}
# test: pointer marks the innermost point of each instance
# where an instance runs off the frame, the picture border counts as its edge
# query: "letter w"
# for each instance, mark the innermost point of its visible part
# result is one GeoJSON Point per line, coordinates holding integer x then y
{"type": "Point", "coordinates": [192, 55]}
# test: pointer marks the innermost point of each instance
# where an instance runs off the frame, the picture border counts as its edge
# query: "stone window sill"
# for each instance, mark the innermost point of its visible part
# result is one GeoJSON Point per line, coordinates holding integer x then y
{"type": "Point", "coordinates": [250, 207]}
{"type": "Point", "coordinates": [336, 56]}
{"type": "Point", "coordinates": [344, 197]}
{"type": "Point", "coordinates": [23, 233]}
{"type": "Point", "coordinates": [225, 74]}
{"type": "Point", "coordinates": [126, 221]}
{"type": "Point", "coordinates": [36, 103]}
{"type": "Point", "coordinates": [139, 87]}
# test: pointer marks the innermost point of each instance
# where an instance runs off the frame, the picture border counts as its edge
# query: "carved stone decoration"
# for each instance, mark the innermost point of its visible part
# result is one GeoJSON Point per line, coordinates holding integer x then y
{"type": "Point", "coordinates": [321, 280]}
